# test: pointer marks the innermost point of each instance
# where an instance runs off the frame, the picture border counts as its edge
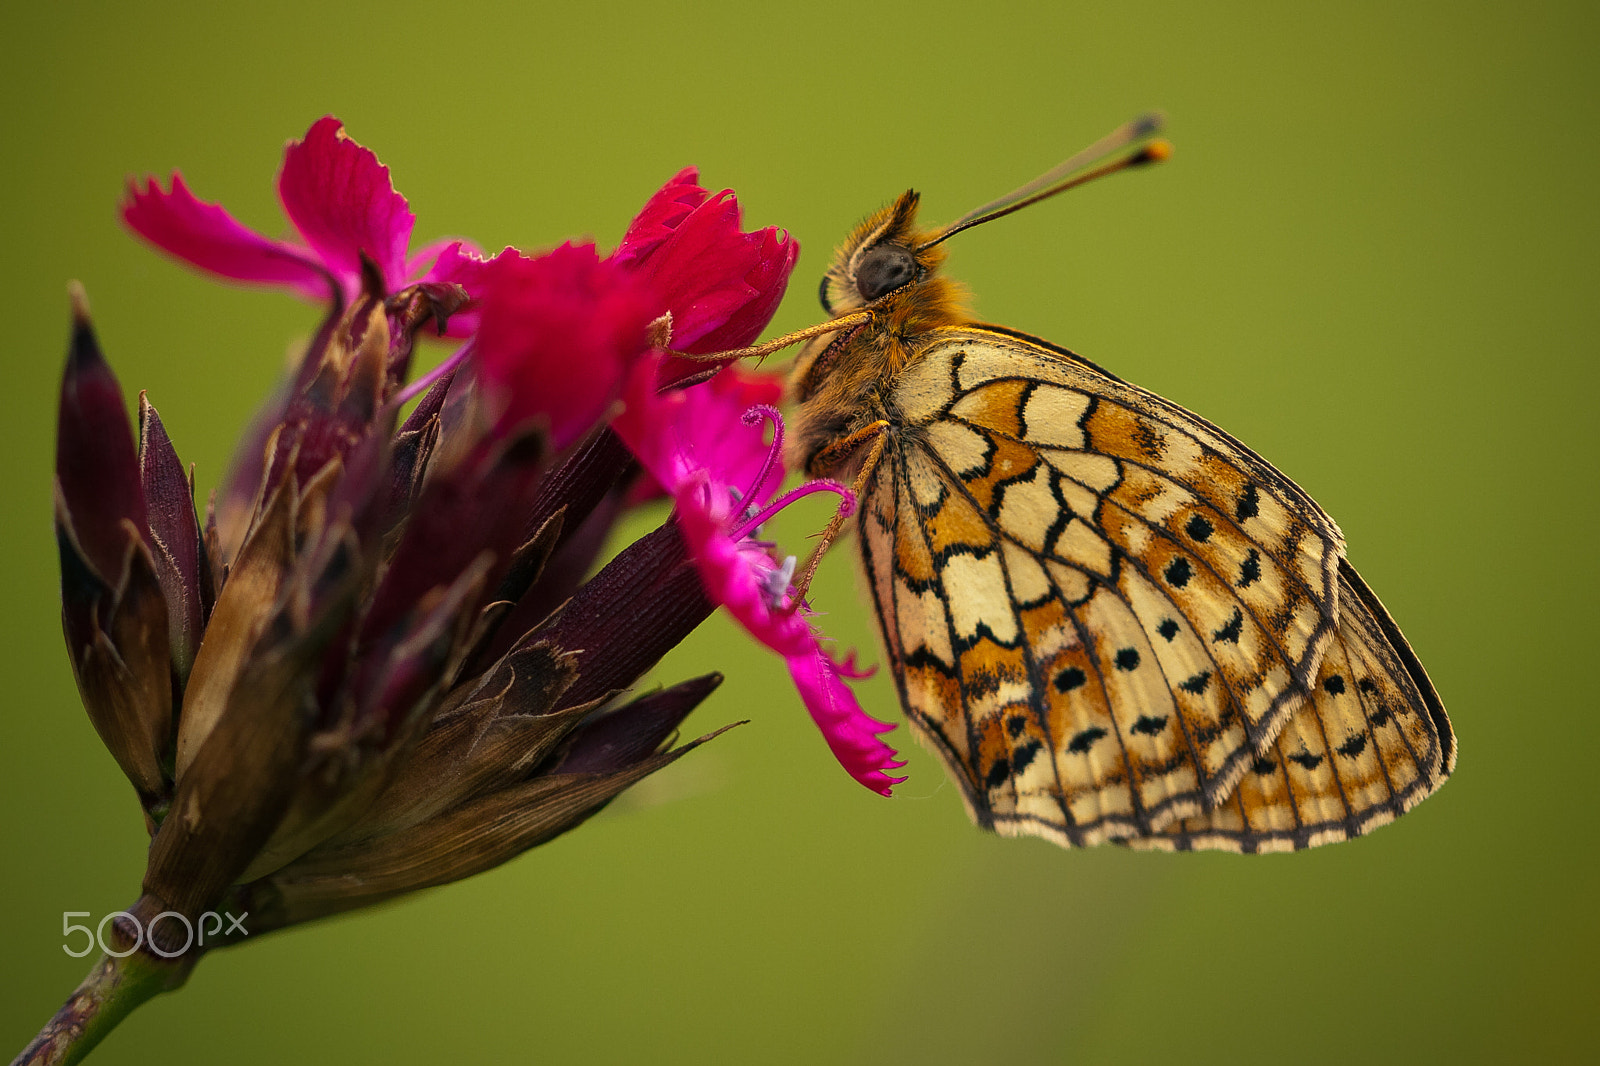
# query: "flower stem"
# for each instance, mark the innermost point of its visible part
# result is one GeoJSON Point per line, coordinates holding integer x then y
{"type": "Point", "coordinates": [109, 994]}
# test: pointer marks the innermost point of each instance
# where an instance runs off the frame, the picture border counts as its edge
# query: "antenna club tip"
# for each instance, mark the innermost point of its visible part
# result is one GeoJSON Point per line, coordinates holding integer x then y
{"type": "Point", "coordinates": [1157, 152]}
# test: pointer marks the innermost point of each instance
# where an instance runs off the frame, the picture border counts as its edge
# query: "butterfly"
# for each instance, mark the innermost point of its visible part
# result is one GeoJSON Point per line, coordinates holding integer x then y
{"type": "Point", "coordinates": [1113, 621]}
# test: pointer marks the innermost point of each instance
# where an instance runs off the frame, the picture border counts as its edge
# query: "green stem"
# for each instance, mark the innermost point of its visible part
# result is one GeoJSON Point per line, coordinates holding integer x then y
{"type": "Point", "coordinates": [109, 994]}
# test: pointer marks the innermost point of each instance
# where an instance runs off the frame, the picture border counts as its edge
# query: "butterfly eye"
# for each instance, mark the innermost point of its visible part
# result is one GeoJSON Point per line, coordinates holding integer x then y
{"type": "Point", "coordinates": [822, 296]}
{"type": "Point", "coordinates": [883, 270]}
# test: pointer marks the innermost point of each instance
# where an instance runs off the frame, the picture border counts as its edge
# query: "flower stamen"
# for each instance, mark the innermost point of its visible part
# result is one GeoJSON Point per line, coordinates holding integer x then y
{"type": "Point", "coordinates": [847, 503]}
{"type": "Point", "coordinates": [775, 583]}
{"type": "Point", "coordinates": [752, 417]}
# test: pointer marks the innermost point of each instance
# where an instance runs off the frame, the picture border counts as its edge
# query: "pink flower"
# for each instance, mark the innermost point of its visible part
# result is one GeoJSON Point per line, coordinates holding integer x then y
{"type": "Point", "coordinates": [342, 203]}
{"type": "Point", "coordinates": [709, 452]}
{"type": "Point", "coordinates": [559, 333]}
{"type": "Point", "coordinates": [720, 283]}
{"type": "Point", "coordinates": [745, 389]}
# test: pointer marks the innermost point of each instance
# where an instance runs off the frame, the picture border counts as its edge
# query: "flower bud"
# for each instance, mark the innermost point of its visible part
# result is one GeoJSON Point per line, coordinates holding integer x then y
{"type": "Point", "coordinates": [113, 611]}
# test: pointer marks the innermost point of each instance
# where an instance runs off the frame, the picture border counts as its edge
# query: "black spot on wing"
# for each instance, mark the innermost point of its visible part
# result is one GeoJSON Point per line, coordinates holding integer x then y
{"type": "Point", "coordinates": [1085, 740]}
{"type": "Point", "coordinates": [1178, 572]}
{"type": "Point", "coordinates": [998, 773]}
{"type": "Point", "coordinates": [1150, 725]}
{"type": "Point", "coordinates": [1334, 684]}
{"type": "Point", "coordinates": [1231, 631]}
{"type": "Point", "coordinates": [1024, 756]}
{"type": "Point", "coordinates": [1199, 529]}
{"type": "Point", "coordinates": [1206, 733]}
{"type": "Point", "coordinates": [1264, 766]}
{"type": "Point", "coordinates": [1249, 504]}
{"type": "Point", "coordinates": [1250, 572]}
{"type": "Point", "coordinates": [1353, 746]}
{"type": "Point", "coordinates": [1016, 724]}
{"type": "Point", "coordinates": [1127, 659]}
{"type": "Point", "coordinates": [1168, 629]}
{"type": "Point", "coordinates": [1069, 679]}
{"type": "Point", "coordinates": [1197, 683]}
{"type": "Point", "coordinates": [1306, 759]}
{"type": "Point", "coordinates": [922, 659]}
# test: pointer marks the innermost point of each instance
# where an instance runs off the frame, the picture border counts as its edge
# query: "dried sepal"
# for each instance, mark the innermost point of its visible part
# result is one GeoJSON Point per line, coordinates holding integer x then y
{"type": "Point", "coordinates": [467, 840]}
{"type": "Point", "coordinates": [238, 620]}
{"type": "Point", "coordinates": [621, 737]}
{"type": "Point", "coordinates": [486, 492]}
{"type": "Point", "coordinates": [118, 646]}
{"type": "Point", "coordinates": [238, 784]}
{"type": "Point", "coordinates": [496, 732]}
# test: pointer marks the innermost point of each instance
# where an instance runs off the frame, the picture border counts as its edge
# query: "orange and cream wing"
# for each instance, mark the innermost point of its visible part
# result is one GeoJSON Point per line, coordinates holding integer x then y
{"type": "Point", "coordinates": [1372, 743]}
{"type": "Point", "coordinates": [1099, 608]}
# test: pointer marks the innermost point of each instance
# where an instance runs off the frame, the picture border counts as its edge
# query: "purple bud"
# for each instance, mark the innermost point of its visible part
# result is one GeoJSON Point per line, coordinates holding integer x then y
{"type": "Point", "coordinates": [96, 465]}
{"type": "Point", "coordinates": [174, 535]}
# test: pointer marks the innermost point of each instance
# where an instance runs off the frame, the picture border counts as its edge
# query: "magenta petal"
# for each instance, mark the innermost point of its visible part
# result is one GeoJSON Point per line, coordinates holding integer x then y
{"type": "Point", "coordinates": [732, 578]}
{"type": "Point", "coordinates": [741, 390]}
{"type": "Point", "coordinates": [720, 284]}
{"type": "Point", "coordinates": [559, 333]}
{"type": "Point", "coordinates": [460, 263]}
{"type": "Point", "coordinates": [851, 733]}
{"type": "Point", "coordinates": [699, 272]}
{"type": "Point", "coordinates": [661, 214]}
{"type": "Point", "coordinates": [775, 259]}
{"type": "Point", "coordinates": [206, 236]}
{"type": "Point", "coordinates": [849, 669]}
{"type": "Point", "coordinates": [420, 264]}
{"type": "Point", "coordinates": [751, 387]}
{"type": "Point", "coordinates": [698, 434]}
{"type": "Point", "coordinates": [341, 200]}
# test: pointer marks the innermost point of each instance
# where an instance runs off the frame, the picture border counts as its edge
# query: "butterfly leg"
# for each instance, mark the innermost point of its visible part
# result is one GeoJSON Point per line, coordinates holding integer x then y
{"type": "Point", "coordinates": [830, 458]}
{"type": "Point", "coordinates": [661, 332]}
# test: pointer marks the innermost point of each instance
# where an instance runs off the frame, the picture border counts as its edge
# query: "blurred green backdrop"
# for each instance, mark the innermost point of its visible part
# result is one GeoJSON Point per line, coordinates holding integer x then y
{"type": "Point", "coordinates": [1372, 258]}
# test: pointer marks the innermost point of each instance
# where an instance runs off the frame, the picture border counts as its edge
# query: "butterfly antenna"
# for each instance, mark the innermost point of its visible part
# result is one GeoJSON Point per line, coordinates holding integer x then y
{"type": "Point", "coordinates": [1130, 145]}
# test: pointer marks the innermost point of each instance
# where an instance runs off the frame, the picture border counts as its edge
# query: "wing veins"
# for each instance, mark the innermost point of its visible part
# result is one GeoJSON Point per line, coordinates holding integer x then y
{"type": "Point", "coordinates": [1111, 585]}
{"type": "Point", "coordinates": [1036, 679]}
{"type": "Point", "coordinates": [955, 482]}
{"type": "Point", "coordinates": [1285, 563]}
{"type": "Point", "coordinates": [1055, 354]}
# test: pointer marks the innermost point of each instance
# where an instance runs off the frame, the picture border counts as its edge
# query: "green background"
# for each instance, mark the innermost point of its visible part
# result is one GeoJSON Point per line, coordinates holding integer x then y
{"type": "Point", "coordinates": [1372, 258]}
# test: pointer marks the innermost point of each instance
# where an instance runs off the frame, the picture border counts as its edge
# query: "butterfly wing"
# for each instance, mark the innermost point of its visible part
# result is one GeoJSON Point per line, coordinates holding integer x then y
{"type": "Point", "coordinates": [1099, 608]}
{"type": "Point", "coordinates": [1371, 743]}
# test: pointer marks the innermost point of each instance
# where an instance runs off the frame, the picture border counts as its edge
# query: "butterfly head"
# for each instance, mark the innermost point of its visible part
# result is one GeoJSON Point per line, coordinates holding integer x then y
{"type": "Point", "coordinates": [890, 267]}
{"type": "Point", "coordinates": [883, 262]}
